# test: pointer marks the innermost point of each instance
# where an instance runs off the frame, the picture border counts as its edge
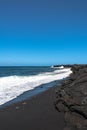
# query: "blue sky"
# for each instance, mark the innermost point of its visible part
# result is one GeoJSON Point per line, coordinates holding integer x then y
{"type": "Point", "coordinates": [43, 32]}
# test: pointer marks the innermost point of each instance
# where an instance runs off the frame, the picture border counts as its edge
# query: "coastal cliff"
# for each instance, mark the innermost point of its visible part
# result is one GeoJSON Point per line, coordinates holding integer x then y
{"type": "Point", "coordinates": [71, 98]}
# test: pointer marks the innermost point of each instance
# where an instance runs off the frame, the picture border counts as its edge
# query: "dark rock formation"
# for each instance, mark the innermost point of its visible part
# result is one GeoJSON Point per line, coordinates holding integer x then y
{"type": "Point", "coordinates": [71, 98]}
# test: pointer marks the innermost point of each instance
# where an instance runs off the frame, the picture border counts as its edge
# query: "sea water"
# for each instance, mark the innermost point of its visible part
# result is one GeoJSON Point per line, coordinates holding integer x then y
{"type": "Point", "coordinates": [15, 81]}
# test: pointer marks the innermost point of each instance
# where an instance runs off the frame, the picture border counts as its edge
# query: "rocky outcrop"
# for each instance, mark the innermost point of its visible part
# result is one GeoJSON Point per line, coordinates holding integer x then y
{"type": "Point", "coordinates": [71, 98]}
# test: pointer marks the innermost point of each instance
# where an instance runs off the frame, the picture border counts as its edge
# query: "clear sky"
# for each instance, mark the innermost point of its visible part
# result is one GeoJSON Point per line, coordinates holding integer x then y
{"type": "Point", "coordinates": [43, 32]}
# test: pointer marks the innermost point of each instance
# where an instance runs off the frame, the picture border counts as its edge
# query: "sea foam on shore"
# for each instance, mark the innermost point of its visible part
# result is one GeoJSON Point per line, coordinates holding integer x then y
{"type": "Point", "coordinates": [13, 86]}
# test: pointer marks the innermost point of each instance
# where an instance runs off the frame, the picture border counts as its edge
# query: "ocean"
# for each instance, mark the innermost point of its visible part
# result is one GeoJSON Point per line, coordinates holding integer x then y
{"type": "Point", "coordinates": [20, 82]}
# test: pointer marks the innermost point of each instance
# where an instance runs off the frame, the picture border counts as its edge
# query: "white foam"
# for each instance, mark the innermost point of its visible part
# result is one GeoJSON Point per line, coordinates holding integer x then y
{"type": "Point", "coordinates": [60, 67]}
{"type": "Point", "coordinates": [13, 86]}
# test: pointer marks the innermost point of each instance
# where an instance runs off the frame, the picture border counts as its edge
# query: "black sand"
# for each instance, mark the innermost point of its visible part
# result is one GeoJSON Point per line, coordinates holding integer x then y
{"type": "Point", "coordinates": [37, 113]}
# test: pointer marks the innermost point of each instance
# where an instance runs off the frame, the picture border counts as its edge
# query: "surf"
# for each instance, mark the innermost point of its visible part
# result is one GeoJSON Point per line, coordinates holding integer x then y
{"type": "Point", "coordinates": [13, 86]}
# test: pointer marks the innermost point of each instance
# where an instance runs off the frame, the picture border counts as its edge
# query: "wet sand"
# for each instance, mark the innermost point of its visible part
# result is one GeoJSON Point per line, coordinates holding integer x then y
{"type": "Point", "coordinates": [37, 113]}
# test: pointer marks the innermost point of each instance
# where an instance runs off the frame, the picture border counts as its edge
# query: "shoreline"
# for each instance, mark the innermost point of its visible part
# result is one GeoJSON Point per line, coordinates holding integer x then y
{"type": "Point", "coordinates": [32, 93]}
{"type": "Point", "coordinates": [14, 86]}
{"type": "Point", "coordinates": [63, 107]}
{"type": "Point", "coordinates": [37, 113]}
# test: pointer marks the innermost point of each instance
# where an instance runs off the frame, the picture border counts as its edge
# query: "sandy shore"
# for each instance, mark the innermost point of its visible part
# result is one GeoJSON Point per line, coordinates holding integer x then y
{"type": "Point", "coordinates": [37, 113]}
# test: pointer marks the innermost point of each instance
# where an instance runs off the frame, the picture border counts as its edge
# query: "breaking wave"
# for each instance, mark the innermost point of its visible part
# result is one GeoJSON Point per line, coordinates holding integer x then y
{"type": "Point", "coordinates": [13, 86]}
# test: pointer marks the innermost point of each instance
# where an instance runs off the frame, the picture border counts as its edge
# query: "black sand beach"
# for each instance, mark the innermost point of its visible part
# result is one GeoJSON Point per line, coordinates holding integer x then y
{"type": "Point", "coordinates": [37, 113]}
{"type": "Point", "coordinates": [59, 108]}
